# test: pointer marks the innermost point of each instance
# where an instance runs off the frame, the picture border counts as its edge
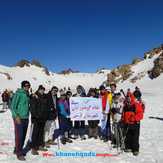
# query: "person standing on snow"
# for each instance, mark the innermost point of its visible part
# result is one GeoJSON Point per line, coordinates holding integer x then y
{"type": "Point", "coordinates": [137, 93]}
{"type": "Point", "coordinates": [116, 112]}
{"type": "Point", "coordinates": [20, 114]}
{"type": "Point", "coordinates": [93, 124]}
{"type": "Point", "coordinates": [79, 126]}
{"type": "Point", "coordinates": [70, 132]}
{"type": "Point", "coordinates": [105, 123]}
{"type": "Point", "coordinates": [63, 114]}
{"type": "Point", "coordinates": [51, 124]}
{"type": "Point", "coordinates": [5, 99]}
{"type": "Point", "coordinates": [131, 117]}
{"type": "Point", "coordinates": [39, 108]}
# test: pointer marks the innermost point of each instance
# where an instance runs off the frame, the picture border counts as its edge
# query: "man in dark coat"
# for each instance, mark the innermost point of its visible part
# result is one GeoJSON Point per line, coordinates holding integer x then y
{"type": "Point", "coordinates": [39, 114]}
{"type": "Point", "coordinates": [51, 122]}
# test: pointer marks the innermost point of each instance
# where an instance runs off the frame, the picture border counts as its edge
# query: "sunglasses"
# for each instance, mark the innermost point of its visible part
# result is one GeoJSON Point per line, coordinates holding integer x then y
{"type": "Point", "coordinates": [27, 85]}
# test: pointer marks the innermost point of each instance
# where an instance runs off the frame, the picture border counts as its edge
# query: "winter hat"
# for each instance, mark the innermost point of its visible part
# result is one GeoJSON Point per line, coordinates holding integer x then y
{"type": "Point", "coordinates": [102, 87]}
{"type": "Point", "coordinates": [68, 93]}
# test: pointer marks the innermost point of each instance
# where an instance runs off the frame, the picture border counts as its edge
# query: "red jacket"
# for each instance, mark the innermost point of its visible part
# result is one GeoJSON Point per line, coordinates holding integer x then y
{"type": "Point", "coordinates": [133, 113]}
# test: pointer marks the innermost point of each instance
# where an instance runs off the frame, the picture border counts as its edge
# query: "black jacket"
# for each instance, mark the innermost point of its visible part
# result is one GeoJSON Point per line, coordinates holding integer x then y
{"type": "Point", "coordinates": [52, 110]}
{"type": "Point", "coordinates": [39, 107]}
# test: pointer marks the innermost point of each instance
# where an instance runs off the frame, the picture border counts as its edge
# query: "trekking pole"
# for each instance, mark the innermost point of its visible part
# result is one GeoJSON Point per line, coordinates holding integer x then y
{"type": "Point", "coordinates": [111, 136]}
{"type": "Point", "coordinates": [58, 143]}
{"type": "Point", "coordinates": [124, 138]}
{"type": "Point", "coordinates": [117, 138]}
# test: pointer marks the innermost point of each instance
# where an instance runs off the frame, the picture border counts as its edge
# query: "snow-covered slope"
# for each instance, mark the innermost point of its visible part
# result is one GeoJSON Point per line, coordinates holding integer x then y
{"type": "Point", "coordinates": [151, 136]}
{"type": "Point", "coordinates": [36, 76]}
{"type": "Point", "coordinates": [11, 77]}
{"type": "Point", "coordinates": [140, 71]}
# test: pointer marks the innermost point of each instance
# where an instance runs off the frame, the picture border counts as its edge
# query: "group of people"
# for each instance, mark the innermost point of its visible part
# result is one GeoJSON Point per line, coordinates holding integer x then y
{"type": "Point", "coordinates": [122, 114]}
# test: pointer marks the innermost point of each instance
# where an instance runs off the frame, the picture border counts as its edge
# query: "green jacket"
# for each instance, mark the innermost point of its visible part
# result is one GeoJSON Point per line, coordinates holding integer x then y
{"type": "Point", "coordinates": [20, 104]}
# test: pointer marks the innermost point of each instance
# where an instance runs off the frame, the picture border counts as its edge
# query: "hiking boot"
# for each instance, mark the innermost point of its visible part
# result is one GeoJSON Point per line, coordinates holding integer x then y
{"type": "Point", "coordinates": [71, 137]}
{"type": "Point", "coordinates": [21, 158]}
{"type": "Point", "coordinates": [127, 150]}
{"type": "Point", "coordinates": [105, 140]}
{"type": "Point", "coordinates": [115, 146]}
{"type": "Point", "coordinates": [76, 136]}
{"type": "Point", "coordinates": [136, 153]}
{"type": "Point", "coordinates": [47, 145]}
{"type": "Point", "coordinates": [101, 138]}
{"type": "Point", "coordinates": [34, 152]}
{"type": "Point", "coordinates": [83, 137]}
{"type": "Point", "coordinates": [63, 141]}
{"type": "Point", "coordinates": [68, 140]}
{"type": "Point", "coordinates": [41, 148]}
{"type": "Point", "coordinates": [51, 142]}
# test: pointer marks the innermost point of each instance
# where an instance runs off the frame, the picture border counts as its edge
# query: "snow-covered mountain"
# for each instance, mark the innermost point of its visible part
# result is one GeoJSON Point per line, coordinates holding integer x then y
{"type": "Point", "coordinates": [146, 70]}
{"type": "Point", "coordinates": [130, 74]}
{"type": "Point", "coordinates": [11, 77]}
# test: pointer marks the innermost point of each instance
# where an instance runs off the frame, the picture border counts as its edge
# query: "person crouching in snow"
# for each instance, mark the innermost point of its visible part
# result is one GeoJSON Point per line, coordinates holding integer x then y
{"type": "Point", "coordinates": [132, 115]}
{"type": "Point", "coordinates": [64, 113]}
{"type": "Point", "coordinates": [39, 114]}
{"type": "Point", "coordinates": [93, 124]}
{"type": "Point", "coordinates": [116, 112]}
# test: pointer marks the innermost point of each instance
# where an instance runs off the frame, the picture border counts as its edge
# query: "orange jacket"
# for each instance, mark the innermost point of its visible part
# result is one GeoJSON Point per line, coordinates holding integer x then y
{"type": "Point", "coordinates": [132, 113]}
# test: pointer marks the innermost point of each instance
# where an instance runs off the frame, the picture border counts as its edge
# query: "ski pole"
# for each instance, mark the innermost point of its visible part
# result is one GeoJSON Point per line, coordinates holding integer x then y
{"type": "Point", "coordinates": [124, 138]}
{"type": "Point", "coordinates": [117, 138]}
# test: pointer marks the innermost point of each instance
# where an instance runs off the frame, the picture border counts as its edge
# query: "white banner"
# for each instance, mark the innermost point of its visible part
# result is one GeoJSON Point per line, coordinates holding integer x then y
{"type": "Point", "coordinates": [85, 108]}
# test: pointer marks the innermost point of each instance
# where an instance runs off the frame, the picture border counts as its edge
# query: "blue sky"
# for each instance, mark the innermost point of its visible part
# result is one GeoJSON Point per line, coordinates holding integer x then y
{"type": "Point", "coordinates": [80, 34]}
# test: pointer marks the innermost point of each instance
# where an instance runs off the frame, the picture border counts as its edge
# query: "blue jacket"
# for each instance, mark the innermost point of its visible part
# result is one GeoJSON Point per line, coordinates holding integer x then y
{"type": "Point", "coordinates": [63, 108]}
